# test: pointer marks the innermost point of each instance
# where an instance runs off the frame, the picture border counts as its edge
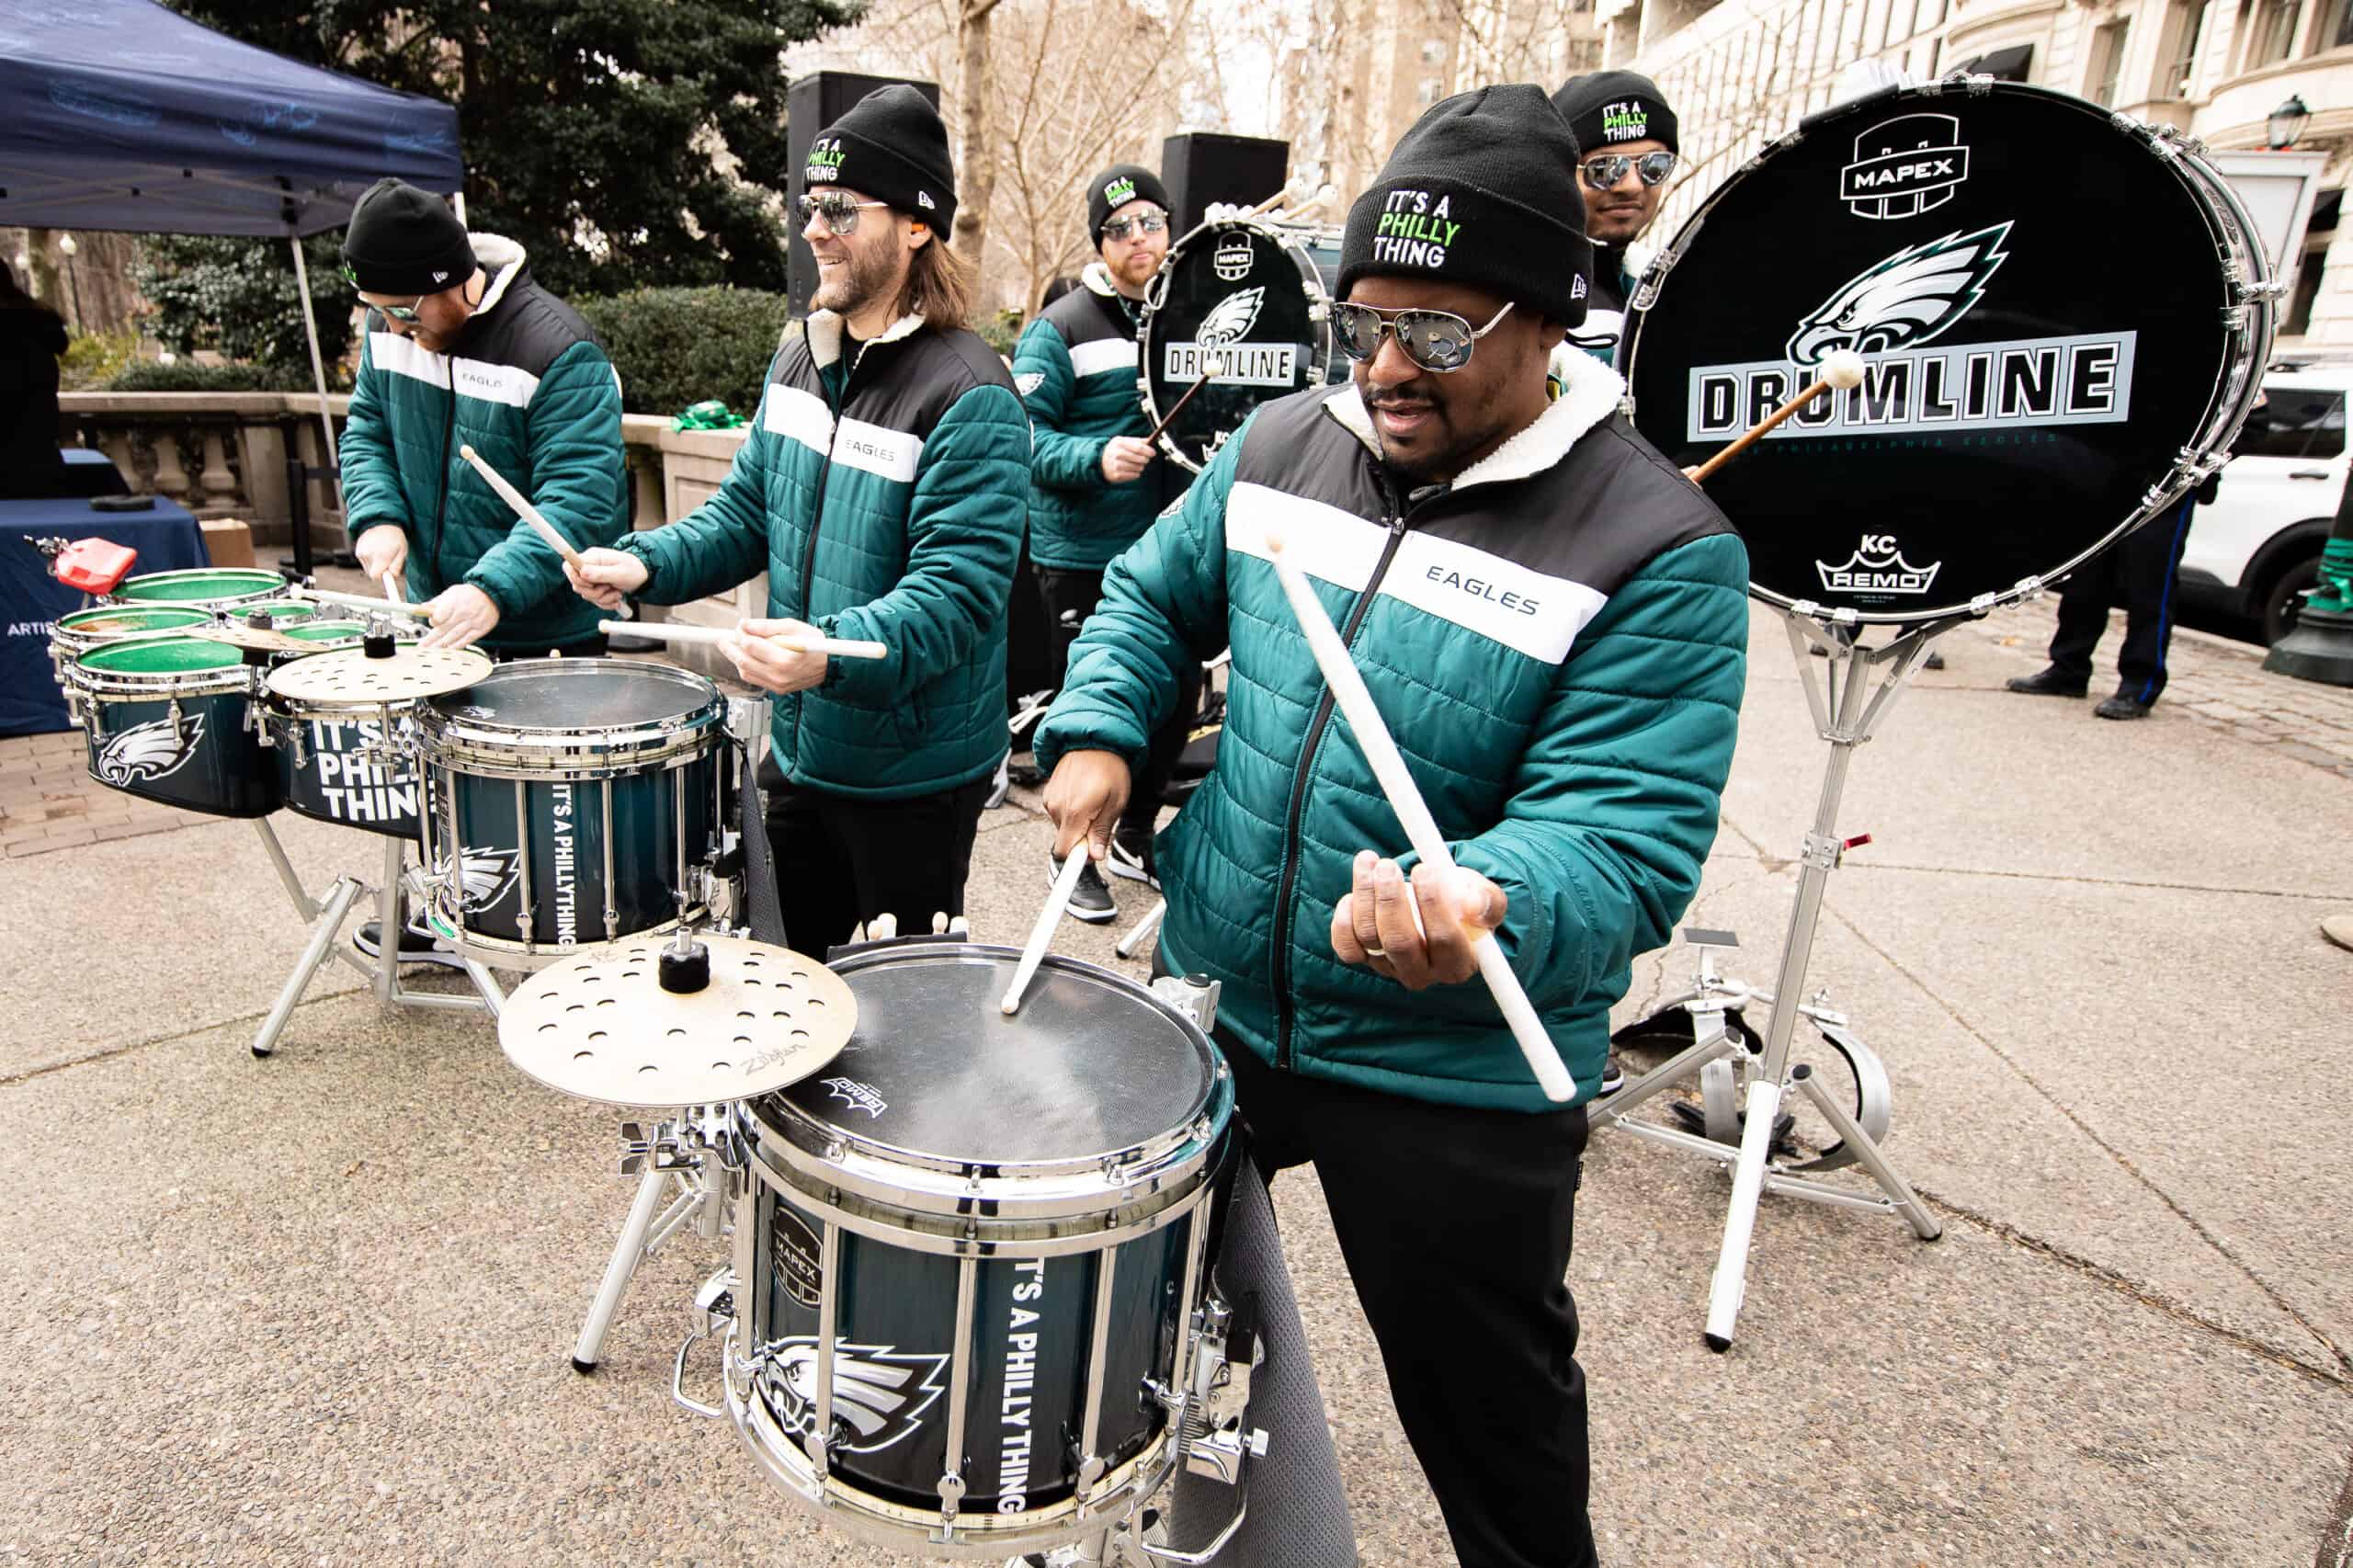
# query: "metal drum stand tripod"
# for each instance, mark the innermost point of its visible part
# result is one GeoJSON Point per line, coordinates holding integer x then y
{"type": "Point", "coordinates": [1862, 683]}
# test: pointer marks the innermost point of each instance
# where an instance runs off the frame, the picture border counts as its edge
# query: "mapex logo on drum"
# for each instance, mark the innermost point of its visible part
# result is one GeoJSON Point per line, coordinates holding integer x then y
{"type": "Point", "coordinates": [1878, 567]}
{"type": "Point", "coordinates": [880, 1391]}
{"type": "Point", "coordinates": [1905, 166]}
{"type": "Point", "coordinates": [1233, 257]}
{"type": "Point", "coordinates": [151, 751]}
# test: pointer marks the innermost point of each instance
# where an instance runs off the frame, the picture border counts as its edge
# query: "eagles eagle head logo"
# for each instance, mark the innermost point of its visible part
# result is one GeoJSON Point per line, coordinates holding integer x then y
{"type": "Point", "coordinates": [1029, 382]}
{"type": "Point", "coordinates": [880, 1391]}
{"type": "Point", "coordinates": [1230, 318]}
{"type": "Point", "coordinates": [1905, 300]}
{"type": "Point", "coordinates": [153, 750]}
{"type": "Point", "coordinates": [487, 875]}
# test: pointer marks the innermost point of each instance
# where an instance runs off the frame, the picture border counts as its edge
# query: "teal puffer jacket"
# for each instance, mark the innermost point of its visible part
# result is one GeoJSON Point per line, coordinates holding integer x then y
{"type": "Point", "coordinates": [1075, 369]}
{"type": "Point", "coordinates": [1557, 641]}
{"type": "Point", "coordinates": [527, 387]}
{"type": "Point", "coordinates": [885, 498]}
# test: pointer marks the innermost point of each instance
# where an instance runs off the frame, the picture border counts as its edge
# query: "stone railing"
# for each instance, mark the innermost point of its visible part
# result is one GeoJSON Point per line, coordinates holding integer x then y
{"type": "Point", "coordinates": [224, 455]}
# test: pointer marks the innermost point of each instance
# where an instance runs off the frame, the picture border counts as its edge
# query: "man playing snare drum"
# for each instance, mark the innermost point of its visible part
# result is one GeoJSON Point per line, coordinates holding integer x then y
{"type": "Point", "coordinates": [882, 489]}
{"type": "Point", "coordinates": [1552, 621]}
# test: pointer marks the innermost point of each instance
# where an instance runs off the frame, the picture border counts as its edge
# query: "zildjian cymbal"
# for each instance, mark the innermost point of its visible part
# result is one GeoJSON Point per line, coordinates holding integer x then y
{"type": "Point", "coordinates": [350, 676]}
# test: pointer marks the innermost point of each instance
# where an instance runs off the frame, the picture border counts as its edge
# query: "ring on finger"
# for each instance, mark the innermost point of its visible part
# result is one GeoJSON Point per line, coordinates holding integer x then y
{"type": "Point", "coordinates": [1373, 952]}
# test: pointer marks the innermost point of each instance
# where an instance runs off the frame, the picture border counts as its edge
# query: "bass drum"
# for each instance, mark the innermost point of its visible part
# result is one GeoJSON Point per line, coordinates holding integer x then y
{"type": "Point", "coordinates": [1255, 295]}
{"type": "Point", "coordinates": [2048, 364]}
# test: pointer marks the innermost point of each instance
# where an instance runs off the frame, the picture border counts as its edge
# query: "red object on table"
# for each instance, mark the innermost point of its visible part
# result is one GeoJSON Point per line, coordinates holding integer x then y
{"type": "Point", "coordinates": [93, 565]}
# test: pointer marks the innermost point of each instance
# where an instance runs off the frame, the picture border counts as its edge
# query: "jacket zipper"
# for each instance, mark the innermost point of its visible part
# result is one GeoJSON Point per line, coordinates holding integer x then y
{"type": "Point", "coordinates": [1285, 1014]}
{"type": "Point", "coordinates": [817, 516]}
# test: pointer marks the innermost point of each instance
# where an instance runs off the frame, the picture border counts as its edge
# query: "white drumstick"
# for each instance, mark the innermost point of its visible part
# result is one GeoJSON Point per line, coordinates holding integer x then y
{"type": "Point", "coordinates": [1040, 935]}
{"type": "Point", "coordinates": [1373, 739]}
{"type": "Point", "coordinates": [393, 587]}
{"type": "Point", "coordinates": [354, 601]}
{"type": "Point", "coordinates": [677, 631]}
{"type": "Point", "coordinates": [530, 514]}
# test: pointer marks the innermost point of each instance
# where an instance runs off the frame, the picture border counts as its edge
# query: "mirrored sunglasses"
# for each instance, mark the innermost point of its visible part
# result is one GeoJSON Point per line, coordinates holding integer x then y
{"type": "Point", "coordinates": [1142, 223]}
{"type": "Point", "coordinates": [1436, 340]}
{"type": "Point", "coordinates": [838, 210]}
{"type": "Point", "coordinates": [1604, 171]}
{"type": "Point", "coordinates": [405, 314]}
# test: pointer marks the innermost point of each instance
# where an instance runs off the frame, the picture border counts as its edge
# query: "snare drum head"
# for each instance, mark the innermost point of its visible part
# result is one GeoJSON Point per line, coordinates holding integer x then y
{"type": "Point", "coordinates": [2040, 298]}
{"type": "Point", "coordinates": [1250, 294]}
{"type": "Point", "coordinates": [578, 694]}
{"type": "Point", "coordinates": [161, 659]}
{"type": "Point", "coordinates": [1090, 1066]}
{"type": "Point", "coordinates": [128, 620]}
{"type": "Point", "coordinates": [209, 585]}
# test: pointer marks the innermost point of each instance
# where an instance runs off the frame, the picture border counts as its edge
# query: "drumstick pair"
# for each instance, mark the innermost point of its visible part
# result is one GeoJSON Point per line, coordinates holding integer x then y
{"type": "Point", "coordinates": [675, 631]}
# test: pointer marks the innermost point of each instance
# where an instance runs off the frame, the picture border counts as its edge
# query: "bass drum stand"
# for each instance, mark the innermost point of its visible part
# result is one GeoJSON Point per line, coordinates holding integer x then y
{"type": "Point", "coordinates": [327, 916]}
{"type": "Point", "coordinates": [1861, 685]}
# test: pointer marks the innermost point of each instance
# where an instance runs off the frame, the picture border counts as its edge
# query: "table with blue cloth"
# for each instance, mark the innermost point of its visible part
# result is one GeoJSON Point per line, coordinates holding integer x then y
{"type": "Point", "coordinates": [166, 539]}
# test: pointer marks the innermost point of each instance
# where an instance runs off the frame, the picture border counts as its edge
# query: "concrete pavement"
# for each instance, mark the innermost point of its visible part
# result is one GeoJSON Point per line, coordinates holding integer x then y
{"type": "Point", "coordinates": [317, 1309]}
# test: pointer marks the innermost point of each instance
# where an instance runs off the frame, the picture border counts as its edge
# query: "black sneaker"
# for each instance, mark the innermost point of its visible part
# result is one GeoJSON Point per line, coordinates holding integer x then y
{"type": "Point", "coordinates": [1131, 854]}
{"type": "Point", "coordinates": [1613, 1078]}
{"type": "Point", "coordinates": [2123, 706]}
{"type": "Point", "coordinates": [418, 945]}
{"type": "Point", "coordinates": [2049, 681]}
{"type": "Point", "coordinates": [1090, 901]}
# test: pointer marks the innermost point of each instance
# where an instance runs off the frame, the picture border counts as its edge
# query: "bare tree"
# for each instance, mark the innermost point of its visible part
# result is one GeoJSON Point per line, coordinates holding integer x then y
{"type": "Point", "coordinates": [975, 157]}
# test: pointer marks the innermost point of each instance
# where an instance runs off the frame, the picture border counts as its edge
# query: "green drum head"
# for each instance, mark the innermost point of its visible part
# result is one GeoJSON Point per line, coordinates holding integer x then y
{"type": "Point", "coordinates": [126, 620]}
{"type": "Point", "coordinates": [327, 633]}
{"type": "Point", "coordinates": [203, 585]}
{"type": "Point", "coordinates": [161, 657]}
{"type": "Point", "coordinates": [289, 615]}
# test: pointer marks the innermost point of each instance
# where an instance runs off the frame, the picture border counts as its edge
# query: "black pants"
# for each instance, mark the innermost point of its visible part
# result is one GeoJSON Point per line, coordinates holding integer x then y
{"type": "Point", "coordinates": [2139, 572]}
{"type": "Point", "coordinates": [1070, 598]}
{"type": "Point", "coordinates": [1456, 1226]}
{"type": "Point", "coordinates": [841, 860]}
{"type": "Point", "coordinates": [1033, 660]}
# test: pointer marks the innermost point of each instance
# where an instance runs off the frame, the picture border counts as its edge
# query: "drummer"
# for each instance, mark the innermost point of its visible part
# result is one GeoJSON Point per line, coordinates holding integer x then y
{"type": "Point", "coordinates": [1552, 619]}
{"type": "Point", "coordinates": [882, 489]}
{"type": "Point", "coordinates": [1626, 148]}
{"type": "Point", "coordinates": [1096, 483]}
{"type": "Point", "coordinates": [463, 347]}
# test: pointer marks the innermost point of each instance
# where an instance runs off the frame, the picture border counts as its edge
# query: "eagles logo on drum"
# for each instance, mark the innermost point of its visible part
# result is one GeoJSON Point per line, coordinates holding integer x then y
{"type": "Point", "coordinates": [1912, 296]}
{"type": "Point", "coordinates": [880, 1393]}
{"type": "Point", "coordinates": [156, 749]}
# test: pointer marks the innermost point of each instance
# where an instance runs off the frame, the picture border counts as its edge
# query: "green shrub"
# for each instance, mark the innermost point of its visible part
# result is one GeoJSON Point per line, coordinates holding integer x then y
{"type": "Point", "coordinates": [95, 358]}
{"type": "Point", "coordinates": [190, 377]}
{"type": "Point", "coordinates": [238, 298]}
{"type": "Point", "coordinates": [675, 347]}
{"type": "Point", "coordinates": [1000, 330]}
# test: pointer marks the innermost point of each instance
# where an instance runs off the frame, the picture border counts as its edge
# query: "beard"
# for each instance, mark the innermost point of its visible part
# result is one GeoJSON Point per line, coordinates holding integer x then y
{"type": "Point", "coordinates": [864, 274]}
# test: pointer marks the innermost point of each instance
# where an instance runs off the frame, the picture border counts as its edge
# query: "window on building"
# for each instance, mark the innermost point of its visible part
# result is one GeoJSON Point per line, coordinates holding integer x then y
{"type": "Point", "coordinates": [2107, 63]}
{"type": "Point", "coordinates": [1433, 51]}
{"type": "Point", "coordinates": [2297, 320]}
{"type": "Point", "coordinates": [1427, 91]}
{"type": "Point", "coordinates": [2271, 32]}
{"type": "Point", "coordinates": [1932, 12]}
{"type": "Point", "coordinates": [2177, 49]}
{"type": "Point", "coordinates": [2336, 27]}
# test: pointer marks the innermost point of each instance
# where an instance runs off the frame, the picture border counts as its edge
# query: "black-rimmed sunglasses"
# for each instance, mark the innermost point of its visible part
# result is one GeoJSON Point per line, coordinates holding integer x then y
{"type": "Point", "coordinates": [1605, 172]}
{"type": "Point", "coordinates": [1437, 341]}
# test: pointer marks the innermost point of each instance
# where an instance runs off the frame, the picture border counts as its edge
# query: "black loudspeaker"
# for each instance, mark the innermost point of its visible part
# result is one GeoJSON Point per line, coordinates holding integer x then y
{"type": "Point", "coordinates": [811, 104]}
{"type": "Point", "coordinates": [1204, 167]}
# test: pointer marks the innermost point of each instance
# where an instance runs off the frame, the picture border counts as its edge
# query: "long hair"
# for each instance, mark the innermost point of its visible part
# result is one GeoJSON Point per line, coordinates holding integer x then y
{"type": "Point", "coordinates": [938, 287]}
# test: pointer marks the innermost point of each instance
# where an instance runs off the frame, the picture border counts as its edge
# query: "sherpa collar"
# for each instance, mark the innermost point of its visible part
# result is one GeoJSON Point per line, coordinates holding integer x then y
{"type": "Point", "coordinates": [1590, 393]}
{"type": "Point", "coordinates": [826, 330]}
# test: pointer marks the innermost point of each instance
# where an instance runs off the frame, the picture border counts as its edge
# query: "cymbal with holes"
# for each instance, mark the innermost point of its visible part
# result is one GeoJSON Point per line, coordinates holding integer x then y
{"type": "Point", "coordinates": [600, 1027]}
{"type": "Point", "coordinates": [409, 672]}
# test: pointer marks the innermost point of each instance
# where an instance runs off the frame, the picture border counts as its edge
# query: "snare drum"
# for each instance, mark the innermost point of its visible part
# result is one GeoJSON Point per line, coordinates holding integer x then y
{"type": "Point", "coordinates": [572, 801]}
{"type": "Point", "coordinates": [967, 1253]}
{"type": "Point", "coordinates": [175, 719]}
{"type": "Point", "coordinates": [353, 764]}
{"type": "Point", "coordinates": [221, 589]}
{"type": "Point", "coordinates": [1251, 293]}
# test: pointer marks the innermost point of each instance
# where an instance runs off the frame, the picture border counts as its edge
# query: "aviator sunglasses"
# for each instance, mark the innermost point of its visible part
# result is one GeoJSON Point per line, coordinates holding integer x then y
{"type": "Point", "coordinates": [1142, 223]}
{"type": "Point", "coordinates": [838, 210]}
{"type": "Point", "coordinates": [405, 314]}
{"type": "Point", "coordinates": [1604, 171]}
{"type": "Point", "coordinates": [1440, 341]}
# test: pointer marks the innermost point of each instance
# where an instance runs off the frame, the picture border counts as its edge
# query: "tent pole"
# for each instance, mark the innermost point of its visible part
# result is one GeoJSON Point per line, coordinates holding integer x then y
{"type": "Point", "coordinates": [318, 379]}
{"type": "Point", "coordinates": [458, 203]}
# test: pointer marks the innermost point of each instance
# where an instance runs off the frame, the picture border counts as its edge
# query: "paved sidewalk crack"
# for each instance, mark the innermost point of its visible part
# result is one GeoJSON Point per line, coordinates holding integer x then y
{"type": "Point", "coordinates": [11, 1080]}
{"type": "Point", "coordinates": [2329, 898]}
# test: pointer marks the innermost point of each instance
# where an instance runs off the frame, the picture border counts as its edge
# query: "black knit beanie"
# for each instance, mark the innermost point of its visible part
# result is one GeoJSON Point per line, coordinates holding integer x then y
{"type": "Point", "coordinates": [1114, 188]}
{"type": "Point", "coordinates": [1615, 106]}
{"type": "Point", "coordinates": [406, 241]}
{"type": "Point", "coordinates": [1439, 208]}
{"type": "Point", "coordinates": [891, 145]}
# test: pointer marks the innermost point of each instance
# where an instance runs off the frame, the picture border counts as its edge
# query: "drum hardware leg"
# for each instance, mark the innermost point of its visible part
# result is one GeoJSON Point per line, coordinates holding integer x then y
{"type": "Point", "coordinates": [612, 915]}
{"type": "Point", "coordinates": [960, 1395]}
{"type": "Point", "coordinates": [819, 1437]}
{"type": "Point", "coordinates": [323, 930]}
{"type": "Point", "coordinates": [391, 920]}
{"type": "Point", "coordinates": [716, 1301]}
{"type": "Point", "coordinates": [526, 913]}
{"type": "Point", "coordinates": [1091, 1465]}
{"type": "Point", "coordinates": [303, 903]}
{"type": "Point", "coordinates": [1852, 1137]}
{"type": "Point", "coordinates": [1195, 995]}
{"type": "Point", "coordinates": [633, 1247]}
{"type": "Point", "coordinates": [1142, 931]}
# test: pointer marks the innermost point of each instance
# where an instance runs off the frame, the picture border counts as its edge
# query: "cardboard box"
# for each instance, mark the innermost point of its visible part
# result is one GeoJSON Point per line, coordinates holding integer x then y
{"type": "Point", "coordinates": [228, 541]}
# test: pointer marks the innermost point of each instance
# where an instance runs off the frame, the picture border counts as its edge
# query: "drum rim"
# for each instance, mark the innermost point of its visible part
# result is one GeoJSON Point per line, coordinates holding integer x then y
{"type": "Point", "coordinates": [2225, 412]}
{"type": "Point", "coordinates": [279, 588]}
{"type": "Point", "coordinates": [197, 617]}
{"type": "Point", "coordinates": [815, 1157]}
{"type": "Point", "coordinates": [512, 746]}
{"type": "Point", "coordinates": [1287, 238]}
{"type": "Point", "coordinates": [219, 680]}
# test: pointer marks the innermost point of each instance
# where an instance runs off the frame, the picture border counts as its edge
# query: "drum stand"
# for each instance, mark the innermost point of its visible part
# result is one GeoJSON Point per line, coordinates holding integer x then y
{"type": "Point", "coordinates": [675, 1161]}
{"type": "Point", "coordinates": [327, 916]}
{"type": "Point", "coordinates": [1862, 684]}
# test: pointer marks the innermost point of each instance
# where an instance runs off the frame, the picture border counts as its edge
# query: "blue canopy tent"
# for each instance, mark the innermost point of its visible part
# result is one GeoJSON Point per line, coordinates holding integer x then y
{"type": "Point", "coordinates": [124, 116]}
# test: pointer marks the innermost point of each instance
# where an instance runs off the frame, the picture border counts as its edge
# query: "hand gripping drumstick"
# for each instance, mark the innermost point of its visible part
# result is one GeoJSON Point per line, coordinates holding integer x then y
{"type": "Point", "coordinates": [1040, 934]}
{"type": "Point", "coordinates": [1381, 750]}
{"type": "Point", "coordinates": [676, 632]}
{"type": "Point", "coordinates": [528, 513]}
{"type": "Point", "coordinates": [1211, 368]}
{"type": "Point", "coordinates": [1841, 370]}
{"type": "Point", "coordinates": [393, 587]}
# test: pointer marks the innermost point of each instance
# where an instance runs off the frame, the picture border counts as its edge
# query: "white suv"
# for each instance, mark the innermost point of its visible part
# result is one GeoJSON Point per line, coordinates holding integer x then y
{"type": "Point", "coordinates": [2256, 547]}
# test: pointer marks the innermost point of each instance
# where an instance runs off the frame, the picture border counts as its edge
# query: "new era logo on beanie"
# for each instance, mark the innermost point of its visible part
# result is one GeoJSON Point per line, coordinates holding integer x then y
{"type": "Point", "coordinates": [1439, 209]}
{"type": "Point", "coordinates": [1114, 188]}
{"type": "Point", "coordinates": [405, 242]}
{"type": "Point", "coordinates": [892, 146]}
{"type": "Point", "coordinates": [1609, 107]}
